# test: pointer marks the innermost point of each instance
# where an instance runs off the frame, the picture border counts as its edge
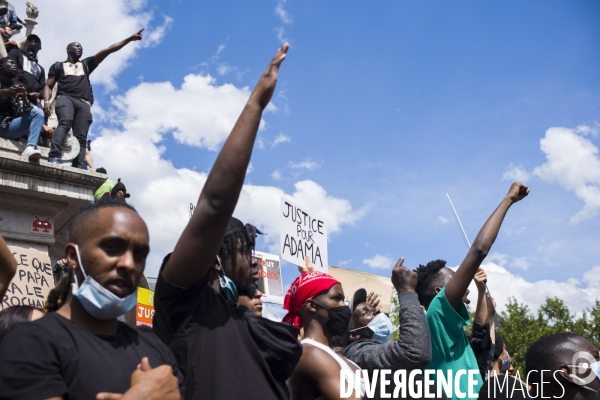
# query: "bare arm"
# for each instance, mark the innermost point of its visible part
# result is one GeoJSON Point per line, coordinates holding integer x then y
{"type": "Point", "coordinates": [481, 312]}
{"type": "Point", "coordinates": [202, 237]}
{"type": "Point", "coordinates": [456, 288]}
{"type": "Point", "coordinates": [8, 267]}
{"type": "Point", "coordinates": [102, 54]}
{"type": "Point", "coordinates": [48, 94]}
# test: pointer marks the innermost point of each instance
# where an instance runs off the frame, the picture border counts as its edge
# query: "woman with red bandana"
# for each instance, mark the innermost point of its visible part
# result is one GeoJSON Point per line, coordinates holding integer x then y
{"type": "Point", "coordinates": [315, 302]}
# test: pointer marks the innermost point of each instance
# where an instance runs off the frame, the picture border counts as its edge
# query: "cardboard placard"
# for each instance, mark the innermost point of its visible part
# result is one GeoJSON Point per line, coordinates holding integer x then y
{"type": "Point", "coordinates": [302, 234]}
{"type": "Point", "coordinates": [32, 282]}
{"type": "Point", "coordinates": [145, 307]}
{"type": "Point", "coordinates": [269, 272]}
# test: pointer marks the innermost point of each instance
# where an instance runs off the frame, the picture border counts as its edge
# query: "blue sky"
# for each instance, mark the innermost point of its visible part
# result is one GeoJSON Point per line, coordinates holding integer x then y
{"type": "Point", "coordinates": [381, 108]}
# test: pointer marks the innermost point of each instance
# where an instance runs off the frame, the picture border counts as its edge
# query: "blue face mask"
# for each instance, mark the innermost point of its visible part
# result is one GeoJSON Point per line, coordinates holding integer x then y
{"type": "Point", "coordinates": [382, 328]}
{"type": "Point", "coordinates": [227, 286]}
{"type": "Point", "coordinates": [98, 301]}
{"type": "Point", "coordinates": [505, 363]}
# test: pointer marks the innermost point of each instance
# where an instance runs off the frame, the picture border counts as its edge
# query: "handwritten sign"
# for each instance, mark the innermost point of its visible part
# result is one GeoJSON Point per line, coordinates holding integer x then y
{"type": "Point", "coordinates": [302, 234]}
{"type": "Point", "coordinates": [269, 273]}
{"type": "Point", "coordinates": [32, 282]}
{"type": "Point", "coordinates": [145, 307]}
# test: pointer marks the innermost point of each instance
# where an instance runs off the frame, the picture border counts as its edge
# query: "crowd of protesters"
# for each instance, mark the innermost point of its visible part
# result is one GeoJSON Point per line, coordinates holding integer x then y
{"type": "Point", "coordinates": [209, 339]}
{"type": "Point", "coordinates": [26, 94]}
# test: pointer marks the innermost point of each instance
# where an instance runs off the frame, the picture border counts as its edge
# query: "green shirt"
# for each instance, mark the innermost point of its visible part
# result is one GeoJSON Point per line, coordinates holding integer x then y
{"type": "Point", "coordinates": [105, 188]}
{"type": "Point", "coordinates": [450, 346]}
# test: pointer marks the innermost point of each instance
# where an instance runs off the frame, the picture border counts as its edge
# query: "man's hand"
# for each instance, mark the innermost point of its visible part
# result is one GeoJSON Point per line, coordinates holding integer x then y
{"type": "Point", "coordinates": [14, 91]}
{"type": "Point", "coordinates": [403, 279]}
{"type": "Point", "coordinates": [148, 383]}
{"type": "Point", "coordinates": [136, 36]}
{"type": "Point", "coordinates": [480, 280]}
{"type": "Point", "coordinates": [266, 84]}
{"type": "Point", "coordinates": [33, 97]}
{"type": "Point", "coordinates": [517, 192]}
{"type": "Point", "coordinates": [47, 109]}
{"type": "Point", "coordinates": [373, 299]}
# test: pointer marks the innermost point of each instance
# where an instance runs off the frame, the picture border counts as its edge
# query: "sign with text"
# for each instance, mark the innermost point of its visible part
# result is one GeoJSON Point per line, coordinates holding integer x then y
{"type": "Point", "coordinates": [145, 307]}
{"type": "Point", "coordinates": [269, 273]}
{"type": "Point", "coordinates": [32, 282]}
{"type": "Point", "coordinates": [302, 234]}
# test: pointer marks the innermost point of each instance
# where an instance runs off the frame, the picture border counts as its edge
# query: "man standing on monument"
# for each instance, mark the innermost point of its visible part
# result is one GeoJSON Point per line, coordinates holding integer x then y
{"type": "Point", "coordinates": [75, 97]}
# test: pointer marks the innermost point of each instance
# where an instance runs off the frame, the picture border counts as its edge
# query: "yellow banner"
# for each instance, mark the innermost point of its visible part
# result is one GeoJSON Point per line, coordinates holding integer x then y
{"type": "Point", "coordinates": [145, 296]}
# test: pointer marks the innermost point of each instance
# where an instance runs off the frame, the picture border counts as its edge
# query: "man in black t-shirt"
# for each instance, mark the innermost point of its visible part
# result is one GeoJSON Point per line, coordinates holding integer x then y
{"type": "Point", "coordinates": [79, 350]}
{"type": "Point", "coordinates": [31, 73]}
{"type": "Point", "coordinates": [74, 97]}
{"type": "Point", "coordinates": [224, 351]}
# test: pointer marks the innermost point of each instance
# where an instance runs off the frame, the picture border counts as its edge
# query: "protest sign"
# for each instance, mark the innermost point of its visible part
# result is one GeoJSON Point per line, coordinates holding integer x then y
{"type": "Point", "coordinates": [269, 273]}
{"type": "Point", "coordinates": [302, 234]}
{"type": "Point", "coordinates": [145, 307]}
{"type": "Point", "coordinates": [32, 282]}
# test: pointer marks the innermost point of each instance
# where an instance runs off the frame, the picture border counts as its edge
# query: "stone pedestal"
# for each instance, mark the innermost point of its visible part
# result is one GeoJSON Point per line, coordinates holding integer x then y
{"type": "Point", "coordinates": [37, 202]}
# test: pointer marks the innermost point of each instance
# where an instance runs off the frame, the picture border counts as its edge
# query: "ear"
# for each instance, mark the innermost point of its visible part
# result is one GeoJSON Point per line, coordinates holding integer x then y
{"type": "Point", "coordinates": [311, 306]}
{"type": "Point", "coordinates": [569, 376]}
{"type": "Point", "coordinates": [437, 290]}
{"type": "Point", "coordinates": [353, 336]}
{"type": "Point", "coordinates": [71, 255]}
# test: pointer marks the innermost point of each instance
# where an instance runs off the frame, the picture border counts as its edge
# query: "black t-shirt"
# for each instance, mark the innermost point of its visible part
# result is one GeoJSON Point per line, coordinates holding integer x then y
{"type": "Point", "coordinates": [73, 78]}
{"type": "Point", "coordinates": [219, 348]}
{"type": "Point", "coordinates": [55, 357]}
{"type": "Point", "coordinates": [31, 74]}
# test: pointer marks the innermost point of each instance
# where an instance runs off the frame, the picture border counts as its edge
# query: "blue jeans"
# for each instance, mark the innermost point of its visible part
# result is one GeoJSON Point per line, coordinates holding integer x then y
{"type": "Point", "coordinates": [32, 120]}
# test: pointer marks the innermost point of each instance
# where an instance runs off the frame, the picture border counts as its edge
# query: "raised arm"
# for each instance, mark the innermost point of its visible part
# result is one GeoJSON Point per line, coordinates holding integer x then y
{"type": "Point", "coordinates": [481, 311]}
{"type": "Point", "coordinates": [202, 237]}
{"type": "Point", "coordinates": [102, 54]}
{"type": "Point", "coordinates": [458, 284]}
{"type": "Point", "coordinates": [8, 267]}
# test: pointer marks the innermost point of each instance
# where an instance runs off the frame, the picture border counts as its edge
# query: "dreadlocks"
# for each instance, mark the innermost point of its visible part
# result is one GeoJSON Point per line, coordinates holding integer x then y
{"type": "Point", "coordinates": [428, 280]}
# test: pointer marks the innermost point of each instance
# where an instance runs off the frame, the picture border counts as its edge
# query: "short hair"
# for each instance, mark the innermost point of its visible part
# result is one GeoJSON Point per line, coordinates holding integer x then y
{"type": "Point", "coordinates": [11, 316]}
{"type": "Point", "coordinates": [428, 278]}
{"type": "Point", "coordinates": [58, 295]}
{"type": "Point", "coordinates": [87, 212]}
{"type": "Point", "coordinates": [544, 353]}
{"type": "Point", "coordinates": [499, 345]}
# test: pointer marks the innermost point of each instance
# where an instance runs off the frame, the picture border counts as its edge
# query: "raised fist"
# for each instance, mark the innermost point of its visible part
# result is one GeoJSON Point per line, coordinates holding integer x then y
{"type": "Point", "coordinates": [403, 279]}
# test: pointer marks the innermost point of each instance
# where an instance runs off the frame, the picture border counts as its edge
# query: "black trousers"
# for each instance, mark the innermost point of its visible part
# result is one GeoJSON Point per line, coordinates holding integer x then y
{"type": "Point", "coordinates": [71, 113]}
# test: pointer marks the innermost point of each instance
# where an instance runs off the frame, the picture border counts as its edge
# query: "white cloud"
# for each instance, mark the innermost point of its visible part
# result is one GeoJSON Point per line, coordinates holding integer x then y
{"type": "Point", "coordinates": [578, 294]}
{"type": "Point", "coordinates": [280, 34]}
{"type": "Point", "coordinates": [250, 168]}
{"type": "Point", "coordinates": [281, 138]}
{"type": "Point", "coordinates": [308, 164]}
{"type": "Point", "coordinates": [156, 108]}
{"type": "Point", "coordinates": [282, 13]}
{"type": "Point", "coordinates": [90, 29]}
{"type": "Point", "coordinates": [442, 220]}
{"type": "Point", "coordinates": [573, 162]}
{"type": "Point", "coordinates": [380, 262]}
{"type": "Point", "coordinates": [276, 175]}
{"type": "Point", "coordinates": [345, 262]}
{"type": "Point", "coordinates": [515, 174]}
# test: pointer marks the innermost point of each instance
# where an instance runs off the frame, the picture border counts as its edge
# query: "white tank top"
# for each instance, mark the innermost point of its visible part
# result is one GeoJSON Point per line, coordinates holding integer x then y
{"type": "Point", "coordinates": [351, 378]}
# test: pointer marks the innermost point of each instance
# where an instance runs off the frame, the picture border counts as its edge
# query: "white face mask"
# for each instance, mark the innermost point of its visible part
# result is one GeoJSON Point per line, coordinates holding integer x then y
{"type": "Point", "coordinates": [98, 301]}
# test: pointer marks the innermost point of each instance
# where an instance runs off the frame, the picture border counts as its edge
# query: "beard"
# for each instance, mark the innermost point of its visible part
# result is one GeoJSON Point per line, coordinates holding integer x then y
{"type": "Point", "coordinates": [248, 289]}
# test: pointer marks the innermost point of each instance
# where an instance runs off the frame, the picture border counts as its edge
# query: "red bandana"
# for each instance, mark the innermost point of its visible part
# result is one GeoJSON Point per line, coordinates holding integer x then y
{"type": "Point", "coordinates": [305, 287]}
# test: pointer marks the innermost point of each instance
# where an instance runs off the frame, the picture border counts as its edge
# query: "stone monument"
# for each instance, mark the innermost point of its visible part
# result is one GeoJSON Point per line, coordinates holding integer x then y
{"type": "Point", "coordinates": [37, 203]}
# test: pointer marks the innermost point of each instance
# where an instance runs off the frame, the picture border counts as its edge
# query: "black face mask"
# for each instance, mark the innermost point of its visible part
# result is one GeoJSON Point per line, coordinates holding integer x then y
{"type": "Point", "coordinates": [339, 319]}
